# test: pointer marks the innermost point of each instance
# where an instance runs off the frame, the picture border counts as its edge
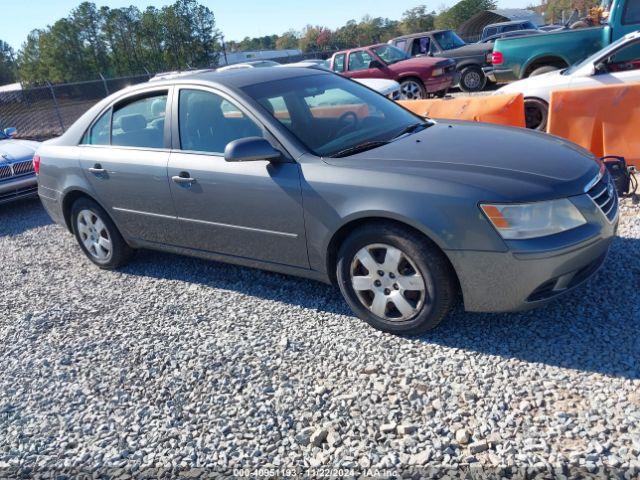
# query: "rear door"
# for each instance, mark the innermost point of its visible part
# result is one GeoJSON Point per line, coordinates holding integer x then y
{"type": "Point", "coordinates": [243, 209]}
{"type": "Point", "coordinates": [124, 157]}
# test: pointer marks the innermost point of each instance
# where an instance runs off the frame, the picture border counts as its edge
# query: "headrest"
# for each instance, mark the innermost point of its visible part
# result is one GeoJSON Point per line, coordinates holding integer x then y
{"type": "Point", "coordinates": [130, 123]}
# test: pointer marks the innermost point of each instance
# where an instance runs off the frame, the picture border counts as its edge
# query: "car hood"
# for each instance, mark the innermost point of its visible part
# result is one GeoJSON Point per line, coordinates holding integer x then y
{"type": "Point", "coordinates": [381, 85]}
{"type": "Point", "coordinates": [469, 50]}
{"type": "Point", "coordinates": [544, 81]}
{"type": "Point", "coordinates": [17, 150]}
{"type": "Point", "coordinates": [500, 163]}
{"type": "Point", "coordinates": [416, 62]}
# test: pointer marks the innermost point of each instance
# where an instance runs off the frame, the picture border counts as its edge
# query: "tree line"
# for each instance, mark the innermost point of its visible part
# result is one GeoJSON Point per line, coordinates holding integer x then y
{"type": "Point", "coordinates": [93, 41]}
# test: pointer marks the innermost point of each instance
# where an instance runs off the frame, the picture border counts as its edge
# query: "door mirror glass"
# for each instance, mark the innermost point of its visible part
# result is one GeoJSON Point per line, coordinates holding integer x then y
{"type": "Point", "coordinates": [251, 149]}
{"type": "Point", "coordinates": [11, 132]}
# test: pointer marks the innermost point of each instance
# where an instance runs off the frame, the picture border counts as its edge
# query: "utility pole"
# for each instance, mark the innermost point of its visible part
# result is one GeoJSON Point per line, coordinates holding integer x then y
{"type": "Point", "coordinates": [224, 51]}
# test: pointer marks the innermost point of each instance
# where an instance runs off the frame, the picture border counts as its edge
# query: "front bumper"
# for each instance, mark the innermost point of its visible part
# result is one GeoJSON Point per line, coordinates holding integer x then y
{"type": "Point", "coordinates": [534, 272]}
{"type": "Point", "coordinates": [18, 187]}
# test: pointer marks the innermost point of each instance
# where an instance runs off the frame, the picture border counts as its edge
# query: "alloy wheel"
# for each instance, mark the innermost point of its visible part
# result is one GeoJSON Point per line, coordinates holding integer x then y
{"type": "Point", "coordinates": [388, 283]}
{"type": "Point", "coordinates": [94, 235]}
{"type": "Point", "coordinates": [472, 80]}
{"type": "Point", "coordinates": [410, 90]}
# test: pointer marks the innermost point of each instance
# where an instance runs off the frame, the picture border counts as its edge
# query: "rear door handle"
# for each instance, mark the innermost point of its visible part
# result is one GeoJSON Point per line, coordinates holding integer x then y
{"type": "Point", "coordinates": [97, 169]}
{"type": "Point", "coordinates": [183, 179]}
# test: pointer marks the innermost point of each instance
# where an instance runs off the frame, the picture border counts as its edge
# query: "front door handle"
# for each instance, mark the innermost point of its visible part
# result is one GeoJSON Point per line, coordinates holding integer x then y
{"type": "Point", "coordinates": [183, 179]}
{"type": "Point", "coordinates": [97, 169]}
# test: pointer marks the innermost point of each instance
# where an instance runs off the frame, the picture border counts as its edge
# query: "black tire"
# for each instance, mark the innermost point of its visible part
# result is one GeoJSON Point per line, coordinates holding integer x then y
{"type": "Point", "coordinates": [412, 89]}
{"type": "Point", "coordinates": [441, 93]}
{"type": "Point", "coordinates": [120, 252]}
{"type": "Point", "coordinates": [472, 79]}
{"type": "Point", "coordinates": [429, 261]}
{"type": "Point", "coordinates": [536, 114]}
{"type": "Point", "coordinates": [543, 70]}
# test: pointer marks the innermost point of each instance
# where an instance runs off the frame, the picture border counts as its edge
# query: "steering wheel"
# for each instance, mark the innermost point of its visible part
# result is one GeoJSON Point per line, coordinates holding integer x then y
{"type": "Point", "coordinates": [350, 119]}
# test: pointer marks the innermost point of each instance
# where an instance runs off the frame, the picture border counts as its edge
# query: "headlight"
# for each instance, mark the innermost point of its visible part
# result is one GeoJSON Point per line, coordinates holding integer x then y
{"type": "Point", "coordinates": [436, 72]}
{"type": "Point", "coordinates": [531, 220]}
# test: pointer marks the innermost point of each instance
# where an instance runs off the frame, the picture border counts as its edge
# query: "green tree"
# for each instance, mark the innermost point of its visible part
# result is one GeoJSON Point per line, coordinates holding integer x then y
{"type": "Point", "coordinates": [7, 64]}
{"type": "Point", "coordinates": [461, 12]}
{"type": "Point", "coordinates": [287, 40]}
{"type": "Point", "coordinates": [417, 19]}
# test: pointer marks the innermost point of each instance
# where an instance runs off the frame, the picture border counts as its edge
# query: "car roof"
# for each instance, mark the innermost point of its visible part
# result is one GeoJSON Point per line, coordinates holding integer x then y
{"type": "Point", "coordinates": [241, 77]}
{"type": "Point", "coordinates": [510, 22]}
{"type": "Point", "coordinates": [354, 49]}
{"type": "Point", "coordinates": [421, 34]}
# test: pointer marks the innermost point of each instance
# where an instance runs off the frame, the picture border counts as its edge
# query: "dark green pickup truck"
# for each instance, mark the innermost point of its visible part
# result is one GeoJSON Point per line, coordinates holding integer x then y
{"type": "Point", "coordinates": [519, 57]}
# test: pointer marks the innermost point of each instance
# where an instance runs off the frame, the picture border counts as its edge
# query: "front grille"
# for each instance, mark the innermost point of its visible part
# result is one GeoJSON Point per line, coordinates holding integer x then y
{"type": "Point", "coordinates": [21, 168]}
{"type": "Point", "coordinates": [604, 195]}
{"type": "Point", "coordinates": [5, 171]}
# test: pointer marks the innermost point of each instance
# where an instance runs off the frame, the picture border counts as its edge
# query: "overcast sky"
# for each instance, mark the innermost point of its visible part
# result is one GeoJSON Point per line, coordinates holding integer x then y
{"type": "Point", "coordinates": [237, 19]}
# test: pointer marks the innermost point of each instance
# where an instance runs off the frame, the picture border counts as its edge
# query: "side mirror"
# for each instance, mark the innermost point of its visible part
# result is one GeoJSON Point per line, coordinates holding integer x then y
{"type": "Point", "coordinates": [600, 67]}
{"type": "Point", "coordinates": [11, 132]}
{"type": "Point", "coordinates": [375, 64]}
{"type": "Point", "coordinates": [251, 149]}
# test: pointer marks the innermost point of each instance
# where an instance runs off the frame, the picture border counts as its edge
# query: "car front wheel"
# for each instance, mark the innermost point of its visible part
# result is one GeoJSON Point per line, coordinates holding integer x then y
{"type": "Point", "coordinates": [412, 89]}
{"type": "Point", "coordinates": [472, 79]}
{"type": "Point", "coordinates": [395, 279]}
{"type": "Point", "coordinates": [97, 235]}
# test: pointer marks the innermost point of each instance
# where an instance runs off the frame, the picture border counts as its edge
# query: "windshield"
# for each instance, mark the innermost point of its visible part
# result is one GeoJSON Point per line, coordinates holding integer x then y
{"type": "Point", "coordinates": [330, 114]}
{"type": "Point", "coordinates": [390, 54]}
{"type": "Point", "coordinates": [593, 58]}
{"type": "Point", "coordinates": [448, 40]}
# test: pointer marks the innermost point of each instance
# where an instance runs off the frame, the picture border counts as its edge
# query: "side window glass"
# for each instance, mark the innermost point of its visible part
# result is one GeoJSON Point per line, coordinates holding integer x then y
{"type": "Point", "coordinates": [208, 122]}
{"type": "Point", "coordinates": [625, 59]}
{"type": "Point", "coordinates": [140, 123]}
{"type": "Point", "coordinates": [338, 63]}
{"type": "Point", "coordinates": [421, 46]}
{"type": "Point", "coordinates": [99, 132]}
{"type": "Point", "coordinates": [490, 31]}
{"type": "Point", "coordinates": [631, 15]}
{"type": "Point", "coordinates": [359, 60]}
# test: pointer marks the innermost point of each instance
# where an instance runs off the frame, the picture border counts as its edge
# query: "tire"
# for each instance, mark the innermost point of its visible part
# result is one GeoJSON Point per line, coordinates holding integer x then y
{"type": "Point", "coordinates": [543, 70]}
{"type": "Point", "coordinates": [412, 89]}
{"type": "Point", "coordinates": [441, 93]}
{"type": "Point", "coordinates": [472, 79]}
{"type": "Point", "coordinates": [98, 236]}
{"type": "Point", "coordinates": [402, 308]}
{"type": "Point", "coordinates": [536, 114]}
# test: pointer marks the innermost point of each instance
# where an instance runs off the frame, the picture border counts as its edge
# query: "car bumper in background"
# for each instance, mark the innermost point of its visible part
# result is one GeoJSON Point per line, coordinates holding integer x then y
{"type": "Point", "coordinates": [532, 273]}
{"type": "Point", "coordinates": [500, 75]}
{"type": "Point", "coordinates": [18, 187]}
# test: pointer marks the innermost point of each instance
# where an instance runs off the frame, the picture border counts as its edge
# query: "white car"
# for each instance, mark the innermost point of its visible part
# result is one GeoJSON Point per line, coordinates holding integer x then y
{"type": "Point", "coordinates": [388, 88]}
{"type": "Point", "coordinates": [614, 64]}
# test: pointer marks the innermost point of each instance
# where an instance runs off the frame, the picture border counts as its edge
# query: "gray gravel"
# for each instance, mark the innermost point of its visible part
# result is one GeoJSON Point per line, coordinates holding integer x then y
{"type": "Point", "coordinates": [180, 366]}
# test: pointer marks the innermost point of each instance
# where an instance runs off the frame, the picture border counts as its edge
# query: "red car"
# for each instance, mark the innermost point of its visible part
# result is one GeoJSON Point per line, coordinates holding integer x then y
{"type": "Point", "coordinates": [419, 77]}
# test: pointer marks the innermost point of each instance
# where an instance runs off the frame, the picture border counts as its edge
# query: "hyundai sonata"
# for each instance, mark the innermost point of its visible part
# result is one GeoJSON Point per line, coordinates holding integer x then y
{"type": "Point", "coordinates": [304, 172]}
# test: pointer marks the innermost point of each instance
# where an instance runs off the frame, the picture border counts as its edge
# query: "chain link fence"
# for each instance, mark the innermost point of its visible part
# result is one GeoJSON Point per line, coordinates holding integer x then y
{"type": "Point", "coordinates": [47, 111]}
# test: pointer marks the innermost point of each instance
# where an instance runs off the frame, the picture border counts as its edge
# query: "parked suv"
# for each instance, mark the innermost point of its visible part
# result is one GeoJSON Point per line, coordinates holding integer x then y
{"type": "Point", "coordinates": [473, 61]}
{"type": "Point", "coordinates": [504, 27]}
{"type": "Point", "coordinates": [418, 77]}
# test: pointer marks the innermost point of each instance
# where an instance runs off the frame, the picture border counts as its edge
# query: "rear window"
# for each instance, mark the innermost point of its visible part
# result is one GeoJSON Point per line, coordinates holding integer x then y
{"type": "Point", "coordinates": [338, 62]}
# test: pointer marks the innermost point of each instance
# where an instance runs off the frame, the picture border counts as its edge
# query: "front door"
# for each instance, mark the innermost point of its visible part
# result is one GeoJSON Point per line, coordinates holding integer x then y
{"type": "Point", "coordinates": [358, 66]}
{"type": "Point", "coordinates": [124, 157]}
{"type": "Point", "coordinates": [251, 209]}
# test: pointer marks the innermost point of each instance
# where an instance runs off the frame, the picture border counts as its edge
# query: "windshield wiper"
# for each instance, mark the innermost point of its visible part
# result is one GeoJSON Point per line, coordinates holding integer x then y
{"type": "Point", "coordinates": [361, 147]}
{"type": "Point", "coordinates": [412, 128]}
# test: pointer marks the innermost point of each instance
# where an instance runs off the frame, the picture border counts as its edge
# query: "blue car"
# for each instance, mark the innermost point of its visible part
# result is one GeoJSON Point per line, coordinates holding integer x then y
{"type": "Point", "coordinates": [17, 177]}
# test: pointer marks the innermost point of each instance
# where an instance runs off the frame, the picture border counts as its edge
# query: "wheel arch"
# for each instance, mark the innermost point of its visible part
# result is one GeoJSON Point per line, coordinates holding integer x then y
{"type": "Point", "coordinates": [69, 198]}
{"type": "Point", "coordinates": [543, 60]}
{"type": "Point", "coordinates": [352, 224]}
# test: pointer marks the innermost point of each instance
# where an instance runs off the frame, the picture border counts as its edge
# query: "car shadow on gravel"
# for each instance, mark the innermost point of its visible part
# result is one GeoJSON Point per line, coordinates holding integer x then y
{"type": "Point", "coordinates": [595, 328]}
{"type": "Point", "coordinates": [22, 215]}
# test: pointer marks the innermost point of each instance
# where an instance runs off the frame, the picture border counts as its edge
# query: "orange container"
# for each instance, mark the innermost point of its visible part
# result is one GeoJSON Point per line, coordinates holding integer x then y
{"type": "Point", "coordinates": [499, 109]}
{"type": "Point", "coordinates": [604, 120]}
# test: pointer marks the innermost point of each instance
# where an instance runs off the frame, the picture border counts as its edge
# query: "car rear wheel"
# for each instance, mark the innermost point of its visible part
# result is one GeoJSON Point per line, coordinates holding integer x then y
{"type": "Point", "coordinates": [536, 113]}
{"type": "Point", "coordinates": [472, 79]}
{"type": "Point", "coordinates": [98, 236]}
{"type": "Point", "coordinates": [395, 279]}
{"type": "Point", "coordinates": [412, 89]}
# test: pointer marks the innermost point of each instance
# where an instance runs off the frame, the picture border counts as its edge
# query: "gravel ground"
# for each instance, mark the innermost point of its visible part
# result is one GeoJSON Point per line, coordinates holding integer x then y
{"type": "Point", "coordinates": [175, 366]}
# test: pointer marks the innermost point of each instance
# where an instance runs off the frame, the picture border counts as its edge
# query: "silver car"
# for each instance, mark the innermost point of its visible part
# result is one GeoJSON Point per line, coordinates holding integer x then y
{"type": "Point", "coordinates": [17, 178]}
{"type": "Point", "coordinates": [304, 172]}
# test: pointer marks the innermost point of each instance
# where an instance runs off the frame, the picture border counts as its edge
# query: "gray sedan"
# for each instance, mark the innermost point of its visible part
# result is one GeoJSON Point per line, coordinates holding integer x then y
{"type": "Point", "coordinates": [304, 172]}
{"type": "Point", "coordinates": [17, 178]}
